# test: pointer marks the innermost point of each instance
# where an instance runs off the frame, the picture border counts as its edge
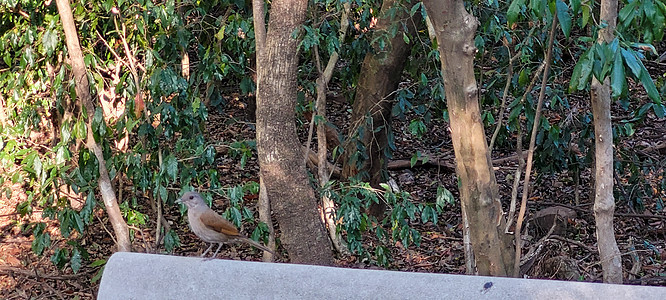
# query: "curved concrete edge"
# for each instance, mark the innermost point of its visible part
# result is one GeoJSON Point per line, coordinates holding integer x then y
{"type": "Point", "coordinates": [150, 276]}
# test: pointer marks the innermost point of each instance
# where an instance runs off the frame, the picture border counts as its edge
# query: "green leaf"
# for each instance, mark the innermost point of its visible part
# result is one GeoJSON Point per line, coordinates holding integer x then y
{"type": "Point", "coordinates": [649, 86]}
{"type": "Point", "coordinates": [564, 17]}
{"type": "Point", "coordinates": [98, 276]}
{"type": "Point", "coordinates": [587, 64]}
{"type": "Point", "coordinates": [50, 41]}
{"type": "Point", "coordinates": [414, 9]}
{"type": "Point", "coordinates": [659, 110]}
{"type": "Point", "coordinates": [86, 211]}
{"type": "Point", "coordinates": [649, 9]}
{"type": "Point", "coordinates": [80, 129]}
{"type": "Point", "coordinates": [514, 11]}
{"type": "Point", "coordinates": [75, 260]}
{"type": "Point", "coordinates": [575, 76]}
{"type": "Point", "coordinates": [575, 6]}
{"type": "Point", "coordinates": [538, 7]}
{"type": "Point", "coordinates": [618, 78]}
{"type": "Point", "coordinates": [236, 216]}
{"type": "Point", "coordinates": [644, 109]}
{"type": "Point", "coordinates": [41, 242]}
{"type": "Point", "coordinates": [59, 257]}
{"type": "Point", "coordinates": [236, 194]}
{"type": "Point", "coordinates": [632, 62]}
{"type": "Point", "coordinates": [385, 186]}
{"type": "Point", "coordinates": [417, 128]}
{"type": "Point", "coordinates": [97, 263]}
{"type": "Point", "coordinates": [444, 197]}
{"type": "Point", "coordinates": [77, 222]}
{"type": "Point", "coordinates": [220, 34]}
{"type": "Point", "coordinates": [428, 213]}
{"type": "Point", "coordinates": [414, 159]}
{"type": "Point", "coordinates": [585, 12]}
{"type": "Point", "coordinates": [626, 14]}
{"type": "Point", "coordinates": [171, 241]}
{"type": "Point", "coordinates": [171, 167]}
{"type": "Point", "coordinates": [523, 78]}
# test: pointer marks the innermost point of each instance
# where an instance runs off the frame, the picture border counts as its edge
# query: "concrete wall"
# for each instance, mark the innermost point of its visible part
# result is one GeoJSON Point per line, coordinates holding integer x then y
{"type": "Point", "coordinates": [150, 276]}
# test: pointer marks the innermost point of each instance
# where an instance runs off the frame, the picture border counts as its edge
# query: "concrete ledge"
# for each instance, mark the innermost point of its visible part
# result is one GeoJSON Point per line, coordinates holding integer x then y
{"type": "Point", "coordinates": [150, 276]}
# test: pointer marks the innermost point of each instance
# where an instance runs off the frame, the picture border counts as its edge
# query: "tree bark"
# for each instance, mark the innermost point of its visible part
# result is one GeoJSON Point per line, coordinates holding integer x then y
{"type": "Point", "coordinates": [258, 15]}
{"type": "Point", "coordinates": [455, 28]}
{"type": "Point", "coordinates": [279, 151]}
{"type": "Point", "coordinates": [604, 203]}
{"type": "Point", "coordinates": [380, 75]}
{"type": "Point", "coordinates": [83, 92]}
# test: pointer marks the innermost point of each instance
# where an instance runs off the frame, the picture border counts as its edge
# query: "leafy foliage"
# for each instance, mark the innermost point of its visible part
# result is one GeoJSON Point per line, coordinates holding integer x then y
{"type": "Point", "coordinates": [354, 199]}
{"type": "Point", "coordinates": [129, 51]}
{"type": "Point", "coordinates": [133, 52]}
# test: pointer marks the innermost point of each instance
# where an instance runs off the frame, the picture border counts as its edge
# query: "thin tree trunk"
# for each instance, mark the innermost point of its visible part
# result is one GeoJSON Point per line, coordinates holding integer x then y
{"type": "Point", "coordinates": [604, 203]}
{"type": "Point", "coordinates": [530, 149]}
{"type": "Point", "coordinates": [328, 206]}
{"type": "Point", "coordinates": [258, 15]}
{"type": "Point", "coordinates": [455, 29]}
{"type": "Point", "coordinates": [82, 90]}
{"type": "Point", "coordinates": [279, 151]}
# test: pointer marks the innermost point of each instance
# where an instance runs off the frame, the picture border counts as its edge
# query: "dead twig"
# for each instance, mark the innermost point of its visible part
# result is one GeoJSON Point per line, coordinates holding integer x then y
{"type": "Point", "coordinates": [6, 270]}
{"type": "Point", "coordinates": [530, 153]}
{"type": "Point", "coordinates": [577, 243]}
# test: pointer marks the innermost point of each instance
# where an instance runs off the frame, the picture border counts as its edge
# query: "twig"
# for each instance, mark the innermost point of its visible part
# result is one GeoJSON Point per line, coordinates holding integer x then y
{"type": "Point", "coordinates": [510, 157]}
{"type": "Point", "coordinates": [6, 270]}
{"type": "Point", "coordinates": [535, 250]}
{"type": "Point", "coordinates": [500, 113]}
{"type": "Point", "coordinates": [530, 153]}
{"type": "Point", "coordinates": [588, 211]}
{"type": "Point", "coordinates": [635, 259]}
{"type": "Point", "coordinates": [521, 153]}
{"type": "Point", "coordinates": [158, 203]}
{"type": "Point", "coordinates": [113, 237]}
{"type": "Point", "coordinates": [516, 179]}
{"type": "Point", "coordinates": [577, 243]}
{"type": "Point", "coordinates": [9, 215]}
{"type": "Point", "coordinates": [49, 287]}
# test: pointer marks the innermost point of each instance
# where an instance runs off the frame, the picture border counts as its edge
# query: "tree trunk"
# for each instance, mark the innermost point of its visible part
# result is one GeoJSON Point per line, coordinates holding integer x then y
{"type": "Point", "coordinates": [604, 203]}
{"type": "Point", "coordinates": [280, 154]}
{"type": "Point", "coordinates": [380, 75]}
{"type": "Point", "coordinates": [455, 29]}
{"type": "Point", "coordinates": [82, 91]}
{"type": "Point", "coordinates": [325, 74]}
{"type": "Point", "coordinates": [258, 14]}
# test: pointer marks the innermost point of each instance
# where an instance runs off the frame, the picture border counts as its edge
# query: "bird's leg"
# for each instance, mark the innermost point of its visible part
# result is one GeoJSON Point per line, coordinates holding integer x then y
{"type": "Point", "coordinates": [218, 250]}
{"type": "Point", "coordinates": [209, 247]}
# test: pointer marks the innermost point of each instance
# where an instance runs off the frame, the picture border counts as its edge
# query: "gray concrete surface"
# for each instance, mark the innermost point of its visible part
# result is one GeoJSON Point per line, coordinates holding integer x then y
{"type": "Point", "coordinates": [150, 276]}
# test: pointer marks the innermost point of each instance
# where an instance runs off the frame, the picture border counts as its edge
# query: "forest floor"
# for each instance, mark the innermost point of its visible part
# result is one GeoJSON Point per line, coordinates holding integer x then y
{"type": "Point", "coordinates": [570, 253]}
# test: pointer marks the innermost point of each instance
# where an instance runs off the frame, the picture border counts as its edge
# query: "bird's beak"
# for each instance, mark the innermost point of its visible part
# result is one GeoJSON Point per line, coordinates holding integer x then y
{"type": "Point", "coordinates": [179, 201]}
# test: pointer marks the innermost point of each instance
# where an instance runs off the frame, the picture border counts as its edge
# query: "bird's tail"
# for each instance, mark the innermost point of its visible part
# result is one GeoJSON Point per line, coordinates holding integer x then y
{"type": "Point", "coordinates": [259, 246]}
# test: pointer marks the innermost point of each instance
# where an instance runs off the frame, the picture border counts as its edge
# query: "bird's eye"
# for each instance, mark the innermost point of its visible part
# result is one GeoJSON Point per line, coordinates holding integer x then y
{"type": "Point", "coordinates": [191, 197]}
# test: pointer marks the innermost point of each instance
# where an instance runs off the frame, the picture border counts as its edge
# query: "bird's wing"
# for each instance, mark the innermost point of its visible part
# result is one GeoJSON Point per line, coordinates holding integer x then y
{"type": "Point", "coordinates": [215, 222]}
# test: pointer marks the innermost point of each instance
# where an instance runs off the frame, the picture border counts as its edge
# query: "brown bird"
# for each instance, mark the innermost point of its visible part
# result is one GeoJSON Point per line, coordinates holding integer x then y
{"type": "Point", "coordinates": [211, 227]}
